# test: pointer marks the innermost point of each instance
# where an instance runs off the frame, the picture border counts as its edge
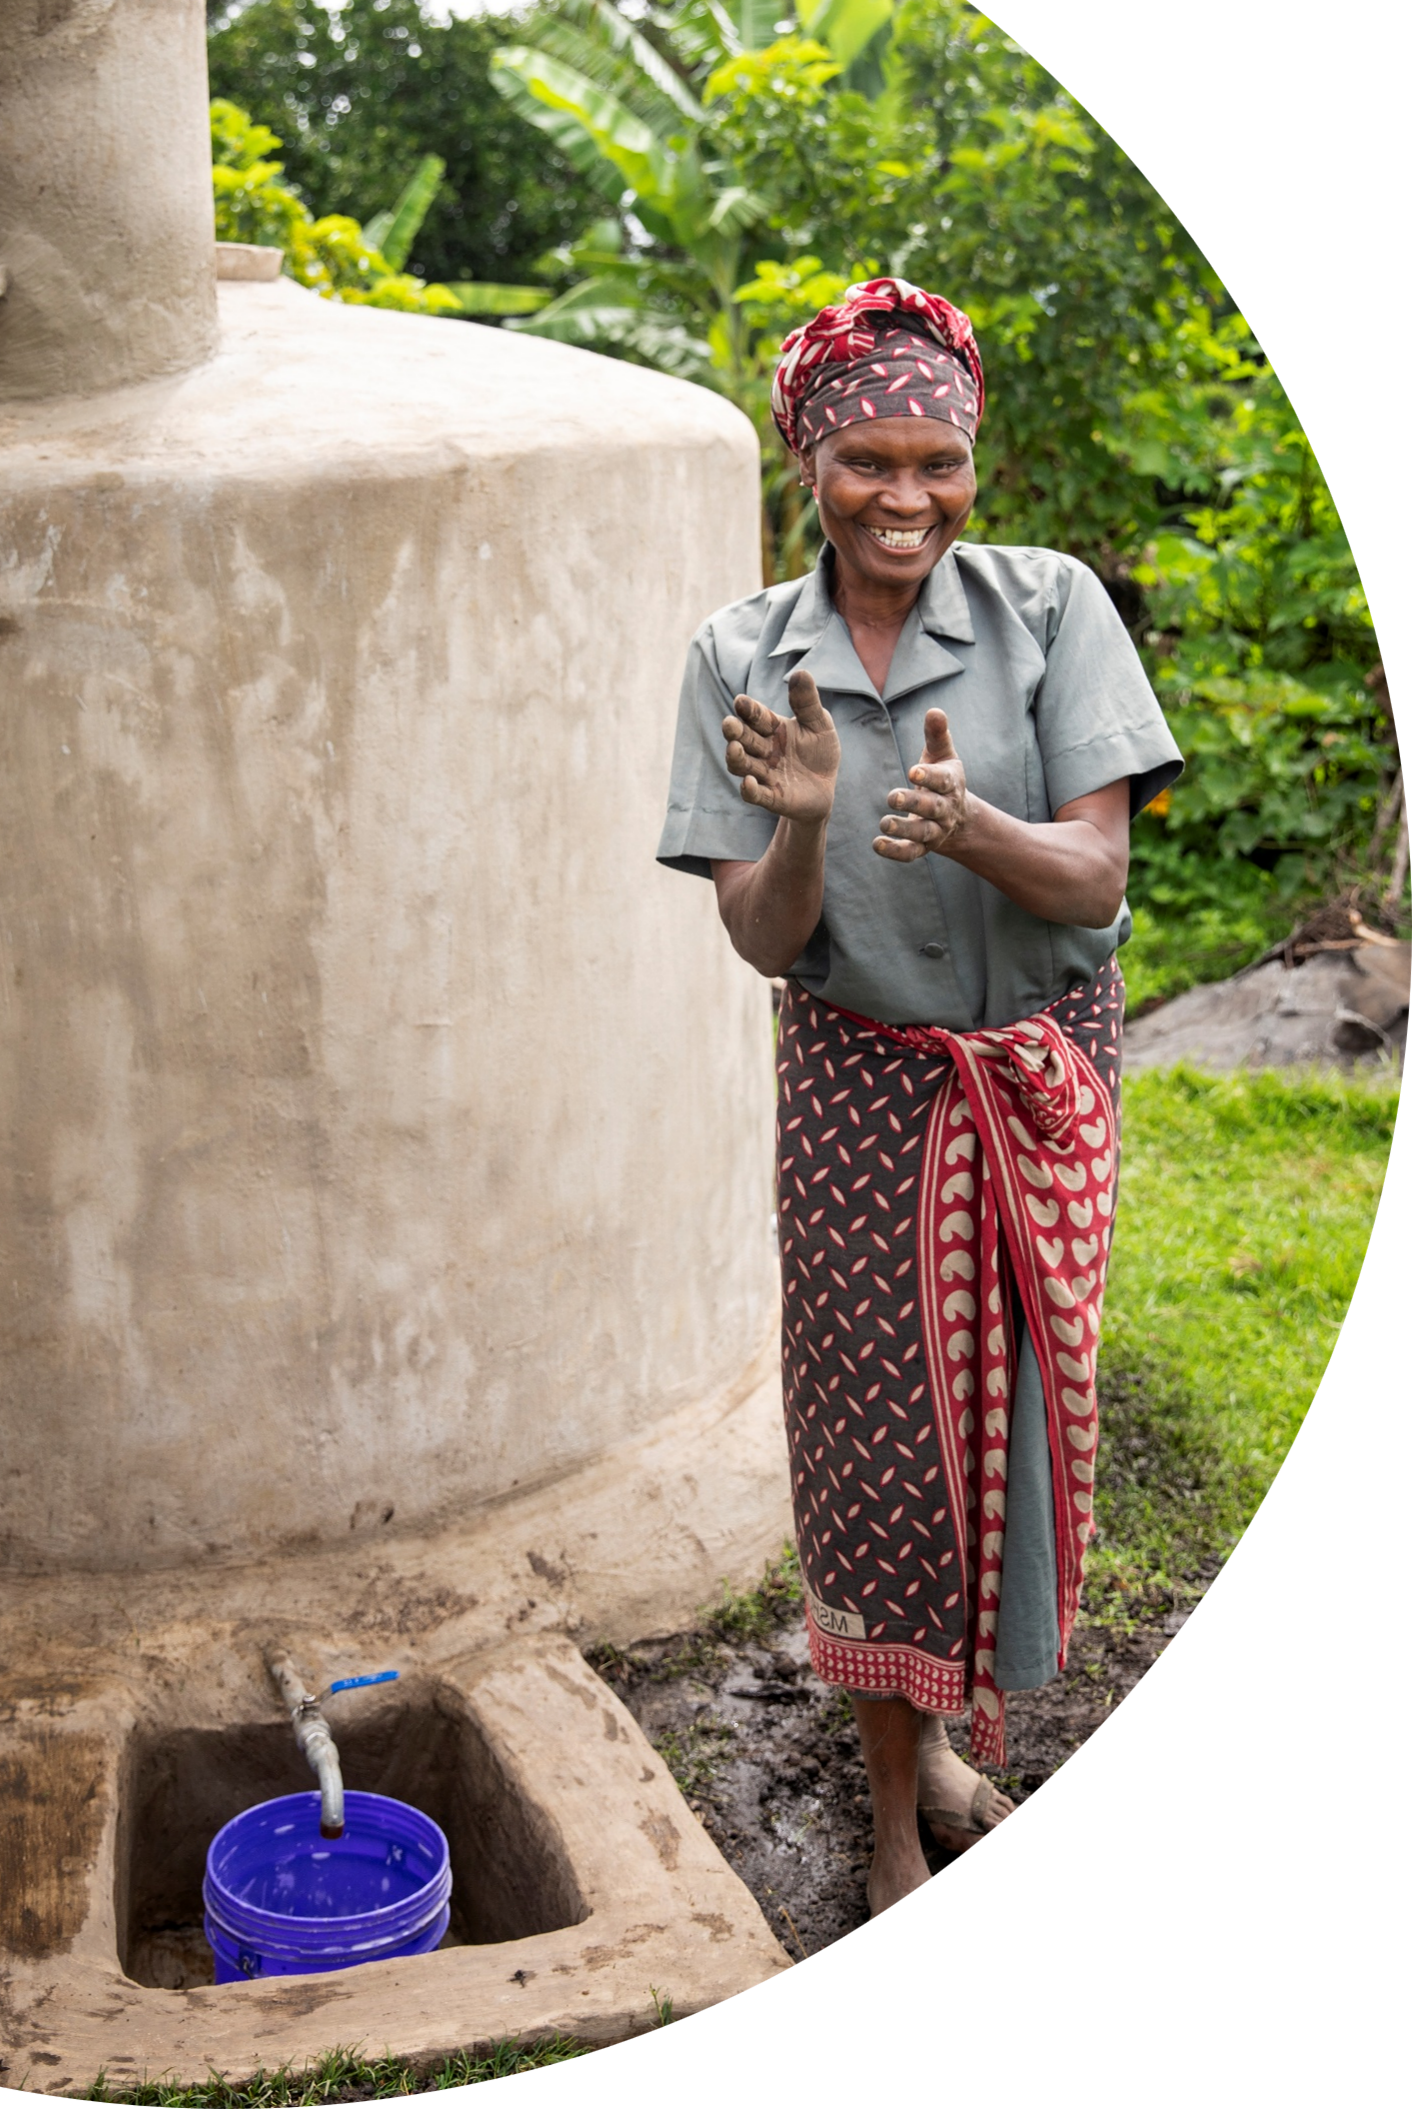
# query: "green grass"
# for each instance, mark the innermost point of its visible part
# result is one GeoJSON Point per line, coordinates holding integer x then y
{"type": "Point", "coordinates": [1174, 951]}
{"type": "Point", "coordinates": [754, 1614]}
{"type": "Point", "coordinates": [1244, 1210]}
{"type": "Point", "coordinates": [345, 2076]}
{"type": "Point", "coordinates": [694, 1755]}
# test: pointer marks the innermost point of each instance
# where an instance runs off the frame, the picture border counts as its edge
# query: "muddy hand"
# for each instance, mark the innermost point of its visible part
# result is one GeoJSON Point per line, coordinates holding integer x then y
{"type": "Point", "coordinates": [928, 815]}
{"type": "Point", "coordinates": [786, 765]}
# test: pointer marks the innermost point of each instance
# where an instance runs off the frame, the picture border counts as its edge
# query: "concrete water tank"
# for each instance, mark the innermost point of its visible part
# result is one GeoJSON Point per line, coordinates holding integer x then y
{"type": "Point", "coordinates": [383, 1132]}
{"type": "Point", "coordinates": [385, 1260]}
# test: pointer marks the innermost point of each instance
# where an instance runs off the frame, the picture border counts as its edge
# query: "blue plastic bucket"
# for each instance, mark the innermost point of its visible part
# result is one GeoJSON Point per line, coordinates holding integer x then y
{"type": "Point", "coordinates": [282, 1901]}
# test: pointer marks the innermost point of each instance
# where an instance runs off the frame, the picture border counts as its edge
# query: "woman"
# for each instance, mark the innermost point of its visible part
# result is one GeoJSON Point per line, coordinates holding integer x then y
{"type": "Point", "coordinates": [910, 776]}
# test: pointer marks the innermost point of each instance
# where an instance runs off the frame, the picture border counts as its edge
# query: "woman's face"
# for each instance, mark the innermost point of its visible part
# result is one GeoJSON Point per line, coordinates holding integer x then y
{"type": "Point", "coordinates": [893, 494]}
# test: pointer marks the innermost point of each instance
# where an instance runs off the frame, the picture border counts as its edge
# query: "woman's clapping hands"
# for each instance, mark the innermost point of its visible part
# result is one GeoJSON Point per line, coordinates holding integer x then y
{"type": "Point", "coordinates": [787, 765]}
{"type": "Point", "coordinates": [929, 816]}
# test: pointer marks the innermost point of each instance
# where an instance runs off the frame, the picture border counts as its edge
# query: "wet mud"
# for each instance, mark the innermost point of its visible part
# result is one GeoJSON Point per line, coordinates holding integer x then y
{"type": "Point", "coordinates": [768, 1756]}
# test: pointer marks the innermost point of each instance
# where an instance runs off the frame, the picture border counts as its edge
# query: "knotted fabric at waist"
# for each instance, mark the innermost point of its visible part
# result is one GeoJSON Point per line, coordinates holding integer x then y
{"type": "Point", "coordinates": [1015, 1184]}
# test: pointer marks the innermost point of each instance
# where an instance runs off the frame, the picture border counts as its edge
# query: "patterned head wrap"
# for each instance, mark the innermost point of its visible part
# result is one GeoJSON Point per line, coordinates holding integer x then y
{"type": "Point", "coordinates": [887, 350]}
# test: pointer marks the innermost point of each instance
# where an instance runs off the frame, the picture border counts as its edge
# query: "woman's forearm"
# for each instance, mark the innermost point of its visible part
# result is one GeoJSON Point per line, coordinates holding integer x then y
{"type": "Point", "coordinates": [1071, 869]}
{"type": "Point", "coordinates": [771, 909]}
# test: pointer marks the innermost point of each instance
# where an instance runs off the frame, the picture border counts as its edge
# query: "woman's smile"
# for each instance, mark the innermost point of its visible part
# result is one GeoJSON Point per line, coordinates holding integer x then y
{"type": "Point", "coordinates": [893, 495]}
{"type": "Point", "coordinates": [898, 537]}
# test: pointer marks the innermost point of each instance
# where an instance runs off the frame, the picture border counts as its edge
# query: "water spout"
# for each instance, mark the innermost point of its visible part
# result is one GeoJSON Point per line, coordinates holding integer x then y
{"type": "Point", "coordinates": [311, 1732]}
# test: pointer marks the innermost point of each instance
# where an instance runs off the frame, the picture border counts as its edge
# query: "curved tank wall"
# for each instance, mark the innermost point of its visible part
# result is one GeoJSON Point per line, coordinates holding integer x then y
{"type": "Point", "coordinates": [107, 243]}
{"type": "Point", "coordinates": [383, 1130]}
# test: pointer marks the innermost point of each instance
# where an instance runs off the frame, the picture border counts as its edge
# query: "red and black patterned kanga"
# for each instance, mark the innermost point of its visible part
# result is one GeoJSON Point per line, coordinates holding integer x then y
{"type": "Point", "coordinates": [926, 1179]}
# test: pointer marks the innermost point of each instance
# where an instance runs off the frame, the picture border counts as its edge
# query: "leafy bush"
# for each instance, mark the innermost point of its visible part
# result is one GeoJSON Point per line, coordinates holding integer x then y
{"type": "Point", "coordinates": [361, 91]}
{"type": "Point", "coordinates": [729, 188]}
{"type": "Point", "coordinates": [329, 255]}
{"type": "Point", "coordinates": [1260, 644]}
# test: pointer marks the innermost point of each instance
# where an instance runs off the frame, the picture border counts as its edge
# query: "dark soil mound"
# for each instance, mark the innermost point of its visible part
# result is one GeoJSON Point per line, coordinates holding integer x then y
{"type": "Point", "coordinates": [1328, 1001]}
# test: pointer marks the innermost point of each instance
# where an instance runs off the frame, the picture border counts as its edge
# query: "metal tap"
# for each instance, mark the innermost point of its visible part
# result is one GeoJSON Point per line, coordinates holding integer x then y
{"type": "Point", "coordinates": [311, 1732]}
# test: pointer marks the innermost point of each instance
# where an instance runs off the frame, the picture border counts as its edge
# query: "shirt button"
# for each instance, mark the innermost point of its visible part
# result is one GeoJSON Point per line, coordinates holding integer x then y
{"type": "Point", "coordinates": [933, 951]}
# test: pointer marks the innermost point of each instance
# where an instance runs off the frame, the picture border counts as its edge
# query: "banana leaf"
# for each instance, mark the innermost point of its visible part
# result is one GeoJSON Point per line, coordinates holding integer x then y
{"type": "Point", "coordinates": [597, 40]}
{"type": "Point", "coordinates": [664, 346]}
{"type": "Point", "coordinates": [478, 297]}
{"type": "Point", "coordinates": [755, 22]}
{"type": "Point", "coordinates": [846, 26]}
{"type": "Point", "coordinates": [540, 86]}
{"type": "Point", "coordinates": [702, 31]}
{"type": "Point", "coordinates": [392, 233]}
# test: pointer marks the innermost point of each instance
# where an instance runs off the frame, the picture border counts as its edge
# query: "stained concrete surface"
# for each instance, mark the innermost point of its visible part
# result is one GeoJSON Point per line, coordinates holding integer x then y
{"type": "Point", "coordinates": [590, 1884]}
{"type": "Point", "coordinates": [389, 1134]}
{"type": "Point", "coordinates": [106, 227]}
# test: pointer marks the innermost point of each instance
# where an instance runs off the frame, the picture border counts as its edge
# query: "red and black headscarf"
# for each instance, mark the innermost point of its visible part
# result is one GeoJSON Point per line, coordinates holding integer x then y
{"type": "Point", "coordinates": [887, 349]}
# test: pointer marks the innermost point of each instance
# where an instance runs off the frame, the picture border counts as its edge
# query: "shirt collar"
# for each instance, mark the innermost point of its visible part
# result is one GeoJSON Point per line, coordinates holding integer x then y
{"type": "Point", "coordinates": [816, 629]}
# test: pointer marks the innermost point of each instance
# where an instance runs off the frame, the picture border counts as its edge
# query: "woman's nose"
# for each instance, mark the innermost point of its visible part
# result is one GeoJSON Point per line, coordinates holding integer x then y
{"type": "Point", "coordinates": [906, 493]}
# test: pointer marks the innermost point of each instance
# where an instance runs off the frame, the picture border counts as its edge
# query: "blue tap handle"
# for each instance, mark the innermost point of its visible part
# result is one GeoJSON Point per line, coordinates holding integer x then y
{"type": "Point", "coordinates": [348, 1684]}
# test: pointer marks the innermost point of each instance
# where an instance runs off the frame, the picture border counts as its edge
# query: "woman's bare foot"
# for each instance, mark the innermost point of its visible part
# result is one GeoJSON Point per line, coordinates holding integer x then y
{"type": "Point", "coordinates": [958, 1804]}
{"type": "Point", "coordinates": [895, 1873]}
{"type": "Point", "coordinates": [888, 1730]}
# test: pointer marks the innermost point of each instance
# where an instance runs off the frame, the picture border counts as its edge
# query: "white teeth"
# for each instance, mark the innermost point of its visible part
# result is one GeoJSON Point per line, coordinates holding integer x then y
{"type": "Point", "coordinates": [899, 537]}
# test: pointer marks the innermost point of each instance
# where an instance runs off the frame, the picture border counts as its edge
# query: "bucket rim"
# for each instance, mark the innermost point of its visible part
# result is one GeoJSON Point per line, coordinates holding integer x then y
{"type": "Point", "coordinates": [299, 1932]}
{"type": "Point", "coordinates": [341, 1955]}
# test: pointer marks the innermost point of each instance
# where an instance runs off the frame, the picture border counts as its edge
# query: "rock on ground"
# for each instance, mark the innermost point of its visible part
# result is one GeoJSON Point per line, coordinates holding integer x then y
{"type": "Point", "coordinates": [1341, 1006]}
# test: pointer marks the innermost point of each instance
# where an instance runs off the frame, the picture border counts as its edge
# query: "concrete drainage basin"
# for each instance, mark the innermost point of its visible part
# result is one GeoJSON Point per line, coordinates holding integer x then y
{"type": "Point", "coordinates": [510, 1872]}
{"type": "Point", "coordinates": [580, 1879]}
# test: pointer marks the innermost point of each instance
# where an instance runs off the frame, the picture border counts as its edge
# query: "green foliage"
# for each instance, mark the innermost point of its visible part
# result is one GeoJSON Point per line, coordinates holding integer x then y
{"type": "Point", "coordinates": [252, 203]}
{"type": "Point", "coordinates": [729, 179]}
{"type": "Point", "coordinates": [480, 299]}
{"type": "Point", "coordinates": [394, 231]}
{"type": "Point", "coordinates": [655, 283]}
{"type": "Point", "coordinates": [1260, 644]}
{"type": "Point", "coordinates": [360, 93]}
{"type": "Point", "coordinates": [334, 256]}
{"type": "Point", "coordinates": [331, 255]}
{"type": "Point", "coordinates": [1245, 1208]}
{"type": "Point", "coordinates": [848, 27]}
{"type": "Point", "coordinates": [754, 1614]}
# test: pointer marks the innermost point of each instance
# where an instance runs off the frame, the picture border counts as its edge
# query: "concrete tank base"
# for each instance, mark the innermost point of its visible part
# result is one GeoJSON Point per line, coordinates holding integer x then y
{"type": "Point", "coordinates": [600, 1884]}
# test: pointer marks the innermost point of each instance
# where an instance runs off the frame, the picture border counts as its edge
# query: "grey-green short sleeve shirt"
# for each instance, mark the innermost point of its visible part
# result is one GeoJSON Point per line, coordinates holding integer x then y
{"type": "Point", "coordinates": [1047, 700]}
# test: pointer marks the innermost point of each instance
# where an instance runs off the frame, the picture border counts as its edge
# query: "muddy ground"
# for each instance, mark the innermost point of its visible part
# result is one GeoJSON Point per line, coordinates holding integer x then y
{"type": "Point", "coordinates": [768, 1756]}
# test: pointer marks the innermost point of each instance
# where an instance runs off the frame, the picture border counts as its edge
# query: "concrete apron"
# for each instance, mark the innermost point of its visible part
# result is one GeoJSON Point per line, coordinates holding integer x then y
{"type": "Point", "coordinates": [139, 1718]}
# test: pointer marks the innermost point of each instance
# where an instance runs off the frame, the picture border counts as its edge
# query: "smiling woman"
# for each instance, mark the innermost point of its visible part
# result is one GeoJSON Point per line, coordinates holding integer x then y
{"type": "Point", "coordinates": [910, 776]}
